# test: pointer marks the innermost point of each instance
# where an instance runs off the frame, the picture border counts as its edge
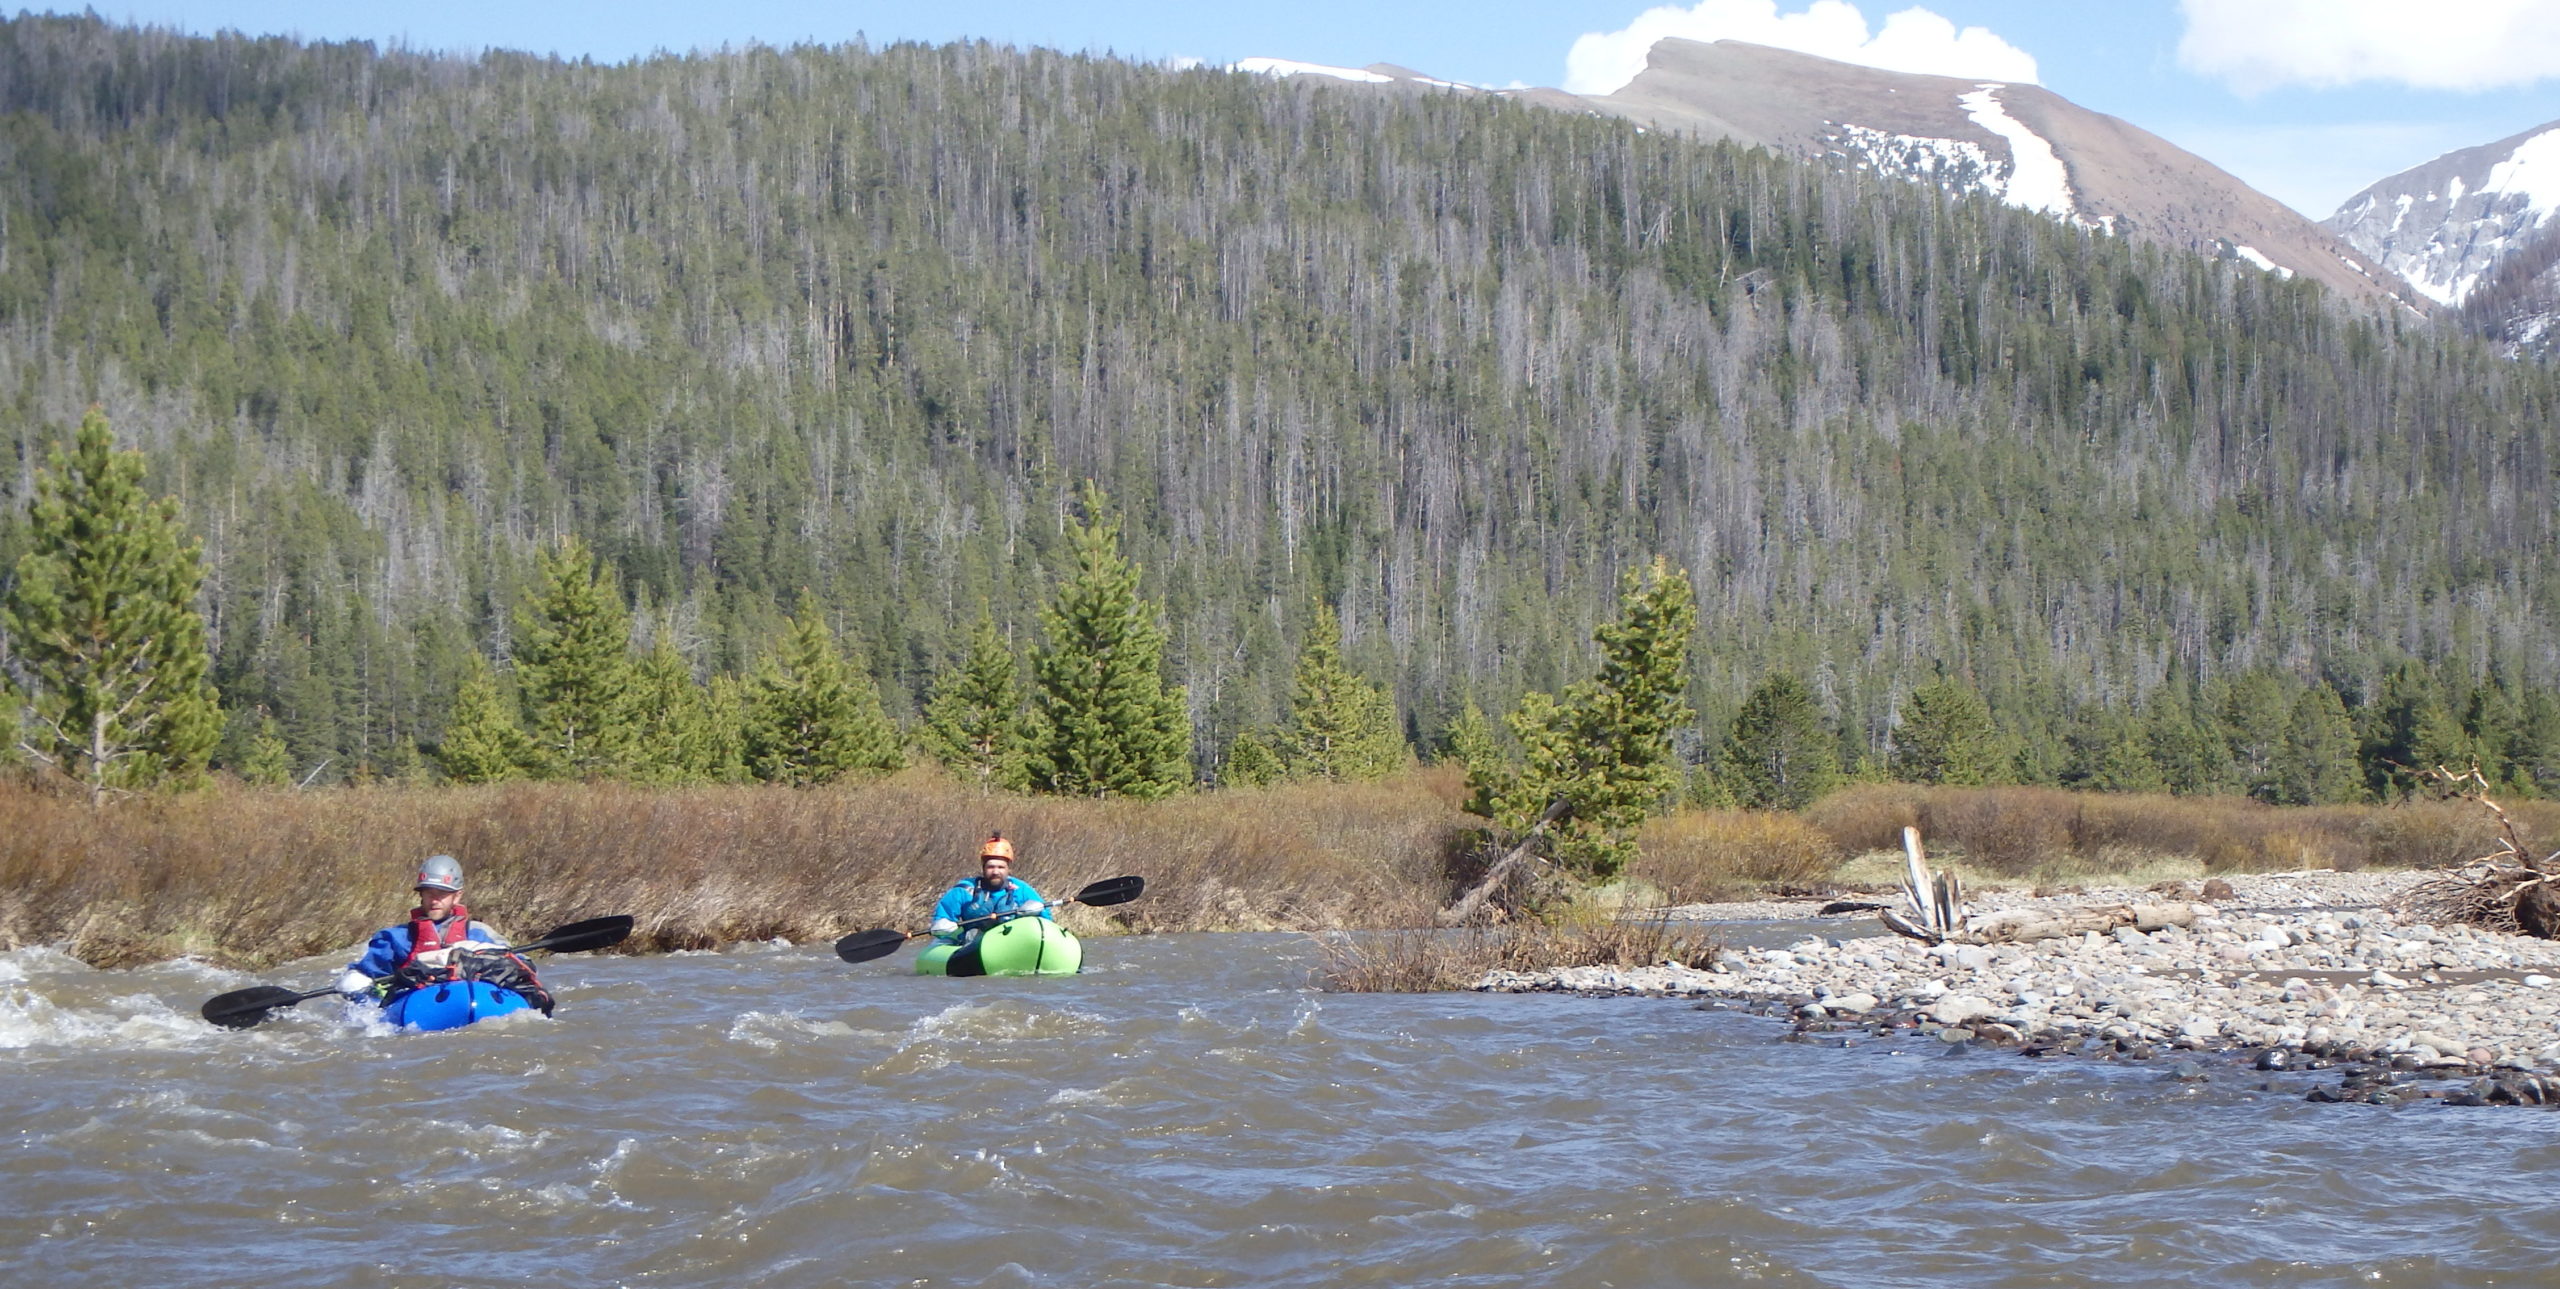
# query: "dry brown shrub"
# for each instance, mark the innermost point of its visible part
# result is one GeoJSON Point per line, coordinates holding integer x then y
{"type": "Point", "coordinates": [2022, 831]}
{"type": "Point", "coordinates": [1868, 816]}
{"type": "Point", "coordinates": [1704, 854]}
{"type": "Point", "coordinates": [2157, 823]}
{"type": "Point", "coordinates": [2009, 831]}
{"type": "Point", "coordinates": [254, 877]}
{"type": "Point", "coordinates": [1416, 962]}
{"type": "Point", "coordinates": [2278, 850]}
{"type": "Point", "coordinates": [2428, 834]}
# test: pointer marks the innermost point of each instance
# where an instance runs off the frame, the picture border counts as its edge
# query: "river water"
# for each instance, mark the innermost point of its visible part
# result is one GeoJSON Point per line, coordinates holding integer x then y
{"type": "Point", "coordinates": [1186, 1113]}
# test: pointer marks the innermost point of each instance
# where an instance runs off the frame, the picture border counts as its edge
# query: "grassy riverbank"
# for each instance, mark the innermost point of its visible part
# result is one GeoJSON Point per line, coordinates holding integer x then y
{"type": "Point", "coordinates": [251, 877]}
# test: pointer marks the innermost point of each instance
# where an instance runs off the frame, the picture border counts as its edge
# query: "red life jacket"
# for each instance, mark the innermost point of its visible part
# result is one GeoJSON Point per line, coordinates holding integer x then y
{"type": "Point", "coordinates": [424, 938]}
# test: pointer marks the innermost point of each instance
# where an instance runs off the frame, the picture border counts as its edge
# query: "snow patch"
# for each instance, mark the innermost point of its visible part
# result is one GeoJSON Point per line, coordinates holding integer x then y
{"type": "Point", "coordinates": [2532, 172]}
{"type": "Point", "coordinates": [1955, 164]}
{"type": "Point", "coordinates": [2259, 258]}
{"type": "Point", "coordinates": [1289, 67]}
{"type": "Point", "coordinates": [2037, 178]}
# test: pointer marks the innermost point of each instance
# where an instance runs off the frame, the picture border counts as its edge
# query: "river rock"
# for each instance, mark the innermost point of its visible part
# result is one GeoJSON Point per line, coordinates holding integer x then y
{"type": "Point", "coordinates": [2346, 987]}
{"type": "Point", "coordinates": [1956, 1009]}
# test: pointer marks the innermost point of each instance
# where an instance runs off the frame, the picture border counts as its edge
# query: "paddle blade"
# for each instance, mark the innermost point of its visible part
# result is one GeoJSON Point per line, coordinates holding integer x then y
{"type": "Point", "coordinates": [863, 946]}
{"type": "Point", "coordinates": [1112, 890]}
{"type": "Point", "coordinates": [579, 937]}
{"type": "Point", "coordinates": [242, 1008]}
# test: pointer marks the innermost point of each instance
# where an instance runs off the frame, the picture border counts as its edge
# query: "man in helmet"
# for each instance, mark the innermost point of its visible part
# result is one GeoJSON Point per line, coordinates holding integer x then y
{"type": "Point", "coordinates": [437, 927]}
{"type": "Point", "coordinates": [994, 894]}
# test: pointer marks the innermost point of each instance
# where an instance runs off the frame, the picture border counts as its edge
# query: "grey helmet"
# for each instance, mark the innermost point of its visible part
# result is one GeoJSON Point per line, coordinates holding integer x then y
{"type": "Point", "coordinates": [440, 872]}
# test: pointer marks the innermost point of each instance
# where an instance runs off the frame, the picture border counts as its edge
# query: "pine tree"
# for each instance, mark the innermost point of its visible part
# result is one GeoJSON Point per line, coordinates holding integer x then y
{"type": "Point", "coordinates": [2318, 763]}
{"type": "Point", "coordinates": [1780, 753]}
{"type": "Point", "coordinates": [2489, 734]}
{"type": "Point", "coordinates": [670, 735]}
{"type": "Point", "coordinates": [1604, 751]}
{"type": "Point", "coordinates": [1103, 723]}
{"type": "Point", "coordinates": [2534, 750]}
{"type": "Point", "coordinates": [2125, 762]}
{"type": "Point", "coordinates": [2410, 729]}
{"type": "Point", "coordinates": [1474, 747]}
{"type": "Point", "coordinates": [1250, 763]}
{"type": "Point", "coordinates": [1946, 736]}
{"type": "Point", "coordinates": [107, 651]}
{"type": "Point", "coordinates": [2256, 712]}
{"type": "Point", "coordinates": [2194, 760]}
{"type": "Point", "coordinates": [1340, 725]}
{"type": "Point", "coordinates": [813, 719]}
{"type": "Point", "coordinates": [482, 742]}
{"type": "Point", "coordinates": [724, 730]}
{"type": "Point", "coordinates": [973, 718]}
{"type": "Point", "coordinates": [268, 763]}
{"type": "Point", "coordinates": [573, 665]}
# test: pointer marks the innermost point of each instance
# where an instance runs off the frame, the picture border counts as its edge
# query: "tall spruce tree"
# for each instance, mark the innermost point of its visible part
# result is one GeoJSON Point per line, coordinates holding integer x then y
{"type": "Point", "coordinates": [1250, 763]}
{"type": "Point", "coordinates": [2256, 711]}
{"type": "Point", "coordinates": [1780, 753]}
{"type": "Point", "coordinates": [1103, 723]}
{"type": "Point", "coordinates": [2410, 729]}
{"type": "Point", "coordinates": [573, 664]}
{"type": "Point", "coordinates": [1946, 736]}
{"type": "Point", "coordinates": [268, 763]}
{"type": "Point", "coordinates": [106, 649]}
{"type": "Point", "coordinates": [1475, 747]}
{"type": "Point", "coordinates": [811, 718]}
{"type": "Point", "coordinates": [973, 717]}
{"type": "Point", "coordinates": [673, 734]}
{"type": "Point", "coordinates": [2318, 763]}
{"type": "Point", "coordinates": [482, 741]}
{"type": "Point", "coordinates": [2192, 752]}
{"type": "Point", "coordinates": [2125, 762]}
{"type": "Point", "coordinates": [1340, 725]}
{"type": "Point", "coordinates": [2535, 751]}
{"type": "Point", "coordinates": [1604, 750]}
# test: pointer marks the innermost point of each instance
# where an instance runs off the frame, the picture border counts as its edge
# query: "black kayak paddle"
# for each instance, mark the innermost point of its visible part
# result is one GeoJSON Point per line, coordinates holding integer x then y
{"type": "Point", "coordinates": [242, 1008]}
{"type": "Point", "coordinates": [863, 946]}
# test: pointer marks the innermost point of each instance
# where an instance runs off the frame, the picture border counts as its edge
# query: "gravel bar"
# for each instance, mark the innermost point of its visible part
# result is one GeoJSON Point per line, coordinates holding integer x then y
{"type": "Point", "coordinates": [2305, 970]}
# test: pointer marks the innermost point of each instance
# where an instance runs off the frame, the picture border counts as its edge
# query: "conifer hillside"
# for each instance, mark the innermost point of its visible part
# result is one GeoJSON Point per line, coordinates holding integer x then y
{"type": "Point", "coordinates": [861, 323]}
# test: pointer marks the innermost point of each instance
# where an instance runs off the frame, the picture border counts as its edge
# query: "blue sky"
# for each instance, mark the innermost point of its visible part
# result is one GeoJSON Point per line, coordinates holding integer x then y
{"type": "Point", "coordinates": [2308, 100]}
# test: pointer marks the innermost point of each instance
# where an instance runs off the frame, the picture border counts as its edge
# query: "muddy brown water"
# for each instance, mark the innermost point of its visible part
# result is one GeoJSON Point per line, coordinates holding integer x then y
{"type": "Point", "coordinates": [1187, 1113]}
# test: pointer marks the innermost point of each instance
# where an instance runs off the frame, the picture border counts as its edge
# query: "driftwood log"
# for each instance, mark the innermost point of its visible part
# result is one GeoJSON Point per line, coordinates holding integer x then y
{"type": "Point", "coordinates": [1472, 903]}
{"type": "Point", "coordinates": [2510, 892]}
{"type": "Point", "coordinates": [2018, 926]}
{"type": "Point", "coordinates": [1939, 916]}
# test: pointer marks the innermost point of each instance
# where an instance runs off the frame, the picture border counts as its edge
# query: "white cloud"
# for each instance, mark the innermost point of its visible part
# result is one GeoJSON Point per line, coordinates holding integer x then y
{"type": "Point", "coordinates": [2446, 44]}
{"type": "Point", "coordinates": [1914, 40]}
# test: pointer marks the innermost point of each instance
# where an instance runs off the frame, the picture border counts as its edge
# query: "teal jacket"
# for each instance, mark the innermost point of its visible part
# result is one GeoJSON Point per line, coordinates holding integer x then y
{"type": "Point", "coordinates": [969, 899]}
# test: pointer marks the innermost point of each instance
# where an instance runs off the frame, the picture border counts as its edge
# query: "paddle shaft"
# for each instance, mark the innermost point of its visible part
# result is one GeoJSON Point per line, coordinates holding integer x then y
{"type": "Point", "coordinates": [593, 933]}
{"type": "Point", "coordinates": [863, 946]}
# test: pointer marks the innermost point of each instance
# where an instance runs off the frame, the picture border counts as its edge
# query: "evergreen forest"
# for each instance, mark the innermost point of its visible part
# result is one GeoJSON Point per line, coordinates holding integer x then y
{"type": "Point", "coordinates": [818, 351]}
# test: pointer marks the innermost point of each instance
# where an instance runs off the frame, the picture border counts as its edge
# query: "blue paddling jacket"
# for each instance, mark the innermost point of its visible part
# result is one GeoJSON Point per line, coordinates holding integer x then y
{"type": "Point", "coordinates": [968, 899]}
{"type": "Point", "coordinates": [392, 946]}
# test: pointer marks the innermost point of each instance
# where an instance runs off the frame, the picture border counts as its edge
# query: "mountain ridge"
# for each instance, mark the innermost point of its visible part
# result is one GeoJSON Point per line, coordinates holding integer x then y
{"type": "Point", "coordinates": [2020, 143]}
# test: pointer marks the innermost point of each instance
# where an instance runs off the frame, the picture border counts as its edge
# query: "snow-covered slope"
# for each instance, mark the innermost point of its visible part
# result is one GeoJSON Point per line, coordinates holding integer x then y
{"type": "Point", "coordinates": [2446, 226]}
{"type": "Point", "coordinates": [2021, 144]}
{"type": "Point", "coordinates": [1373, 74]}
